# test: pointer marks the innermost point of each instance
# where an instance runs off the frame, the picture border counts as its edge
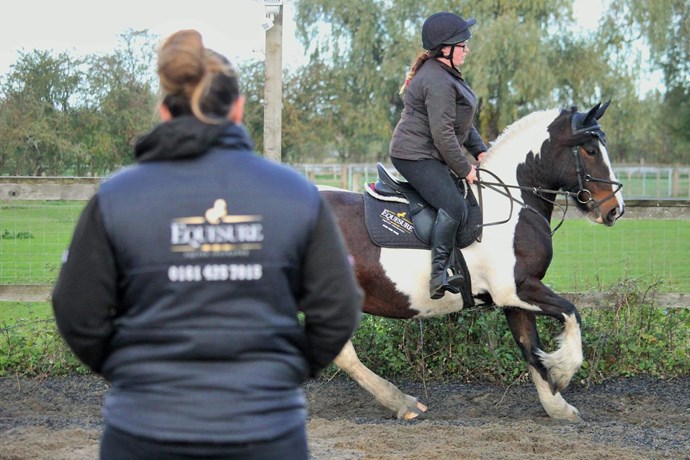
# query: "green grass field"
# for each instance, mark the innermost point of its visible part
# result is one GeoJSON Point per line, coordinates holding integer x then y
{"type": "Point", "coordinates": [590, 257]}
{"type": "Point", "coordinates": [587, 257]}
{"type": "Point", "coordinates": [13, 312]}
{"type": "Point", "coordinates": [33, 237]}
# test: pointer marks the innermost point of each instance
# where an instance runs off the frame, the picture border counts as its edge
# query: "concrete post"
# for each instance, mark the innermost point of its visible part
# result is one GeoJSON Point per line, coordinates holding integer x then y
{"type": "Point", "coordinates": [273, 89]}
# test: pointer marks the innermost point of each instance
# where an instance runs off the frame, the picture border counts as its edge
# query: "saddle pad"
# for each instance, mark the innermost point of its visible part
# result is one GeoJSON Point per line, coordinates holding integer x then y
{"type": "Point", "coordinates": [389, 224]}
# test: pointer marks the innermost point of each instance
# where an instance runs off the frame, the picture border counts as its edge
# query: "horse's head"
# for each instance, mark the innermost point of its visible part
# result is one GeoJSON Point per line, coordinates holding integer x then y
{"type": "Point", "coordinates": [578, 146]}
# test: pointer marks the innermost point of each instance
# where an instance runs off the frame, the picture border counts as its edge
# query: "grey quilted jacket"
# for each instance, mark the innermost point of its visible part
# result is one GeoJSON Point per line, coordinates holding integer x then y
{"type": "Point", "coordinates": [437, 121]}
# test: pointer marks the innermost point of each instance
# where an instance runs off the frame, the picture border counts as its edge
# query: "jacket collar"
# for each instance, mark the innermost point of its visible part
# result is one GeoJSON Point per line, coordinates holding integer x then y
{"type": "Point", "coordinates": [454, 72]}
{"type": "Point", "coordinates": [188, 137]}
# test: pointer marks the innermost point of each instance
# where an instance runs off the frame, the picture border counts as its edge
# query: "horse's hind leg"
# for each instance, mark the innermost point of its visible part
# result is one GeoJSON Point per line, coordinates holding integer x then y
{"type": "Point", "coordinates": [388, 395]}
{"type": "Point", "coordinates": [523, 325]}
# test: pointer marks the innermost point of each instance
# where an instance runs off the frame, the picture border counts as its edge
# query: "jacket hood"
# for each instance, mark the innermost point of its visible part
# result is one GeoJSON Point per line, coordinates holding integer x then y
{"type": "Point", "coordinates": [188, 137]}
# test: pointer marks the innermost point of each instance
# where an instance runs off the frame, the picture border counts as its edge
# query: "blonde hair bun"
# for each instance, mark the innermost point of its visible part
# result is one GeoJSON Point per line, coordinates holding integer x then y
{"type": "Point", "coordinates": [181, 62]}
{"type": "Point", "coordinates": [194, 79]}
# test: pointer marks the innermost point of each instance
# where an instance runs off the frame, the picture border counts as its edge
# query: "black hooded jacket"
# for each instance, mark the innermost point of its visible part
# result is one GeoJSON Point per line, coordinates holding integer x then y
{"type": "Point", "coordinates": [184, 280]}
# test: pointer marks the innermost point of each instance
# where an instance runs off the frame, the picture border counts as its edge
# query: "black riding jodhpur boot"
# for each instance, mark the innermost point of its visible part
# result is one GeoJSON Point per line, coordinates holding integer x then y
{"type": "Point", "coordinates": [442, 248]}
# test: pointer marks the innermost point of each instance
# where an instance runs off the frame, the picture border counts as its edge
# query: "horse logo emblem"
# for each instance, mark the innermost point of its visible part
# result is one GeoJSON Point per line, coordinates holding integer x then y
{"type": "Point", "coordinates": [396, 222]}
{"type": "Point", "coordinates": [217, 212]}
{"type": "Point", "coordinates": [217, 232]}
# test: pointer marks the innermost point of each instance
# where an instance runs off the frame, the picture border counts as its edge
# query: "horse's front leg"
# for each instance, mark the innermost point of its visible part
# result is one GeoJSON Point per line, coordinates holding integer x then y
{"type": "Point", "coordinates": [563, 363]}
{"type": "Point", "coordinates": [388, 395]}
{"type": "Point", "coordinates": [523, 325]}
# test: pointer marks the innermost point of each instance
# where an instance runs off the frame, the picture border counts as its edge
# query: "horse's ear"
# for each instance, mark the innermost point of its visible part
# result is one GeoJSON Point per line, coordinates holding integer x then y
{"type": "Point", "coordinates": [591, 115]}
{"type": "Point", "coordinates": [582, 121]}
{"type": "Point", "coordinates": [602, 109]}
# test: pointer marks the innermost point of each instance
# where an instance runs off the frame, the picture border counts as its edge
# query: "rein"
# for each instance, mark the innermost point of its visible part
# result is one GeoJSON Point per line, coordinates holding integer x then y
{"type": "Point", "coordinates": [582, 177]}
{"type": "Point", "coordinates": [504, 189]}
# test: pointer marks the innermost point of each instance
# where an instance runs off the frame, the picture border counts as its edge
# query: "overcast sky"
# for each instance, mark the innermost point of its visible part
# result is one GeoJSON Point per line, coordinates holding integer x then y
{"type": "Point", "coordinates": [232, 27]}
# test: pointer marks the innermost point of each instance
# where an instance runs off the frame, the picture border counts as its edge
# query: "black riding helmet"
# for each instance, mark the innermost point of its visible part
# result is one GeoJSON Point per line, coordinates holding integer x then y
{"type": "Point", "coordinates": [445, 28]}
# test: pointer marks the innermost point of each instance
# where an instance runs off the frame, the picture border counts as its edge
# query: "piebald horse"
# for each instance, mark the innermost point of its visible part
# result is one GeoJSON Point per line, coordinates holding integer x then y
{"type": "Point", "coordinates": [538, 157]}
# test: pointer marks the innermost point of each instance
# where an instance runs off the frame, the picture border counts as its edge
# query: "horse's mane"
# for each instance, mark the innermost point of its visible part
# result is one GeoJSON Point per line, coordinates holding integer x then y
{"type": "Point", "coordinates": [527, 127]}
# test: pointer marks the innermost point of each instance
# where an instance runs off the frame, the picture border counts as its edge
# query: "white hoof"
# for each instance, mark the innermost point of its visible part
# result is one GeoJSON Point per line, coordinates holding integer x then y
{"type": "Point", "coordinates": [414, 413]}
{"type": "Point", "coordinates": [553, 403]}
{"type": "Point", "coordinates": [563, 411]}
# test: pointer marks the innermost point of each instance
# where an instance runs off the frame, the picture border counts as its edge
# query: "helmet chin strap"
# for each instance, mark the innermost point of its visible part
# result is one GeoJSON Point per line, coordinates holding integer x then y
{"type": "Point", "coordinates": [450, 56]}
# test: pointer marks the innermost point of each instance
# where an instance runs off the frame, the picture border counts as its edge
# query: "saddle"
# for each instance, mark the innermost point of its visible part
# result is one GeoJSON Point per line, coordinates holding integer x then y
{"type": "Point", "coordinates": [397, 216]}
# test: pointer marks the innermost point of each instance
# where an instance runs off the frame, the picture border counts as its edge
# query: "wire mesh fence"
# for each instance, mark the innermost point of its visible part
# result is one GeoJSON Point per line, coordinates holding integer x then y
{"type": "Point", "coordinates": [33, 237]}
{"type": "Point", "coordinates": [35, 230]}
{"type": "Point", "coordinates": [654, 181]}
{"type": "Point", "coordinates": [591, 257]}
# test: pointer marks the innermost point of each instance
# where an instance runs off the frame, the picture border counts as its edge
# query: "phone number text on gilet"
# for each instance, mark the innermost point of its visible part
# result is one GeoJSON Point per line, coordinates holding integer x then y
{"type": "Point", "coordinates": [215, 272]}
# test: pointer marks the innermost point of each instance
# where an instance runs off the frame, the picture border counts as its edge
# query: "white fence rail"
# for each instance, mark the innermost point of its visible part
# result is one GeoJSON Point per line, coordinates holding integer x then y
{"type": "Point", "coordinates": [639, 181]}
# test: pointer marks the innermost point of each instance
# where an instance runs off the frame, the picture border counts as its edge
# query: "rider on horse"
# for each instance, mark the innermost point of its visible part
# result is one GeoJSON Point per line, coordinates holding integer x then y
{"type": "Point", "coordinates": [435, 125]}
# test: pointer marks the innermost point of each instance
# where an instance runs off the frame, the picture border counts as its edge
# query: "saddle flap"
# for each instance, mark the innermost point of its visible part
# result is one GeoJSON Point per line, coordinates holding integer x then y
{"type": "Point", "coordinates": [390, 224]}
{"type": "Point", "coordinates": [410, 205]}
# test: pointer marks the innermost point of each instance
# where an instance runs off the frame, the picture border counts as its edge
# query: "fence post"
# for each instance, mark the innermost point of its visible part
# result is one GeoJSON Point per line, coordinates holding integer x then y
{"type": "Point", "coordinates": [675, 183]}
{"type": "Point", "coordinates": [356, 180]}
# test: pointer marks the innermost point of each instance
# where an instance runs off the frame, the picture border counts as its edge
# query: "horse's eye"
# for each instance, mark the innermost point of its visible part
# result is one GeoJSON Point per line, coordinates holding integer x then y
{"type": "Point", "coordinates": [591, 152]}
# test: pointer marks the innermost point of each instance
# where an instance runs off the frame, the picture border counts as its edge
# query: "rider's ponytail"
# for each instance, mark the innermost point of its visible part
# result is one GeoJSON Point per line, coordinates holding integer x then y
{"type": "Point", "coordinates": [416, 64]}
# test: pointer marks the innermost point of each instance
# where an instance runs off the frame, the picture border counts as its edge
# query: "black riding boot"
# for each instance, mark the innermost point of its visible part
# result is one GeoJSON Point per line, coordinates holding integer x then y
{"type": "Point", "coordinates": [442, 246]}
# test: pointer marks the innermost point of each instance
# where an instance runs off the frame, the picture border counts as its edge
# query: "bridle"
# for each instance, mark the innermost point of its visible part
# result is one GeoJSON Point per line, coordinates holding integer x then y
{"type": "Point", "coordinates": [583, 195]}
{"type": "Point", "coordinates": [583, 177]}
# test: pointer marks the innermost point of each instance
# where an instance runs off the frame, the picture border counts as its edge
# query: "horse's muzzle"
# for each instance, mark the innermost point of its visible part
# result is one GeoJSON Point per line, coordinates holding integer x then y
{"type": "Point", "coordinates": [614, 214]}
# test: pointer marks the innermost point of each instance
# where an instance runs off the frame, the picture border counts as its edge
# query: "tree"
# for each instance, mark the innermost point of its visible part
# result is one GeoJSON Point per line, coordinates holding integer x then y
{"type": "Point", "coordinates": [252, 86]}
{"type": "Point", "coordinates": [360, 63]}
{"type": "Point", "coordinates": [119, 101]}
{"type": "Point", "coordinates": [38, 97]}
{"type": "Point", "coordinates": [661, 28]}
{"type": "Point", "coordinates": [309, 131]}
{"type": "Point", "coordinates": [62, 115]}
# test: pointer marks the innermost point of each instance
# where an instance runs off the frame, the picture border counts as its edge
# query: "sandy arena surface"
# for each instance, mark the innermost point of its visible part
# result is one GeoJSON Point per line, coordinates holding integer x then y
{"type": "Point", "coordinates": [635, 418]}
